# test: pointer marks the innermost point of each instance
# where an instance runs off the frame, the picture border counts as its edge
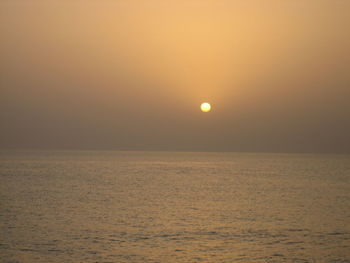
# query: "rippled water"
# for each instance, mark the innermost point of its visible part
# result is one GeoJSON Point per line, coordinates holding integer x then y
{"type": "Point", "coordinates": [174, 207]}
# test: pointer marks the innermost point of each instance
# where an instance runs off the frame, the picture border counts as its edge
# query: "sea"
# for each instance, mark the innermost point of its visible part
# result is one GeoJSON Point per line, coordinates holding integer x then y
{"type": "Point", "coordinates": [116, 207]}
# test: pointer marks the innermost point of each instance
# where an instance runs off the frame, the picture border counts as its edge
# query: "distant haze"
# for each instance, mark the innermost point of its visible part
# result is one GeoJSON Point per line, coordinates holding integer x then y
{"type": "Point", "coordinates": [131, 75]}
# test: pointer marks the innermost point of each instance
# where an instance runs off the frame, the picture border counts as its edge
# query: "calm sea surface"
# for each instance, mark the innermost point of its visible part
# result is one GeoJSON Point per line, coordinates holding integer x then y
{"type": "Point", "coordinates": [173, 207]}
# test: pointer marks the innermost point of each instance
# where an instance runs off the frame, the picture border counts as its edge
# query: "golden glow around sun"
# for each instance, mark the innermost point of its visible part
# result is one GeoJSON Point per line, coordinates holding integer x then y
{"type": "Point", "coordinates": [205, 107]}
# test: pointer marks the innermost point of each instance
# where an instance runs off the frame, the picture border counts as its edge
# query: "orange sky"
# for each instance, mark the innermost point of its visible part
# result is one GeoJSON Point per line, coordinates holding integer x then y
{"type": "Point", "coordinates": [132, 74]}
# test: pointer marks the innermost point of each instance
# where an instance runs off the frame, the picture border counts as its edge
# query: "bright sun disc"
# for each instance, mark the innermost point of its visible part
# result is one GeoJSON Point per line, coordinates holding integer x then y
{"type": "Point", "coordinates": [205, 107]}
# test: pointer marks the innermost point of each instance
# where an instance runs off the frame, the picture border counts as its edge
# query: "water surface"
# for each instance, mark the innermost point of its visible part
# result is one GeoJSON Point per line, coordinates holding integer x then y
{"type": "Point", "coordinates": [173, 207]}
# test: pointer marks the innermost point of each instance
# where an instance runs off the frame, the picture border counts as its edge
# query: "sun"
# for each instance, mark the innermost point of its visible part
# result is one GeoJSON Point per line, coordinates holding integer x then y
{"type": "Point", "coordinates": [205, 107]}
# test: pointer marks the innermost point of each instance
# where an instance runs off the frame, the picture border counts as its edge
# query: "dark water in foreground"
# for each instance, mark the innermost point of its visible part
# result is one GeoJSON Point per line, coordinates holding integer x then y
{"type": "Point", "coordinates": [173, 207]}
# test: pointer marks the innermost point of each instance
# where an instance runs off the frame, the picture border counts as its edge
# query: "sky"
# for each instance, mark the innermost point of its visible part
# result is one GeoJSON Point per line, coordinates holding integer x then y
{"type": "Point", "coordinates": [131, 75]}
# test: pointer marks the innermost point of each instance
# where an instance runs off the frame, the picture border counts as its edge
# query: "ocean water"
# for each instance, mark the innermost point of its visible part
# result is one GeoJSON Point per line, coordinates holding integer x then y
{"type": "Point", "coordinates": [173, 207]}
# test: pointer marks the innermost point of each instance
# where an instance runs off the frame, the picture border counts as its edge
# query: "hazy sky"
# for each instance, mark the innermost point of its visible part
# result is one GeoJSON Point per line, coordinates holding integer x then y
{"type": "Point", "coordinates": [104, 74]}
